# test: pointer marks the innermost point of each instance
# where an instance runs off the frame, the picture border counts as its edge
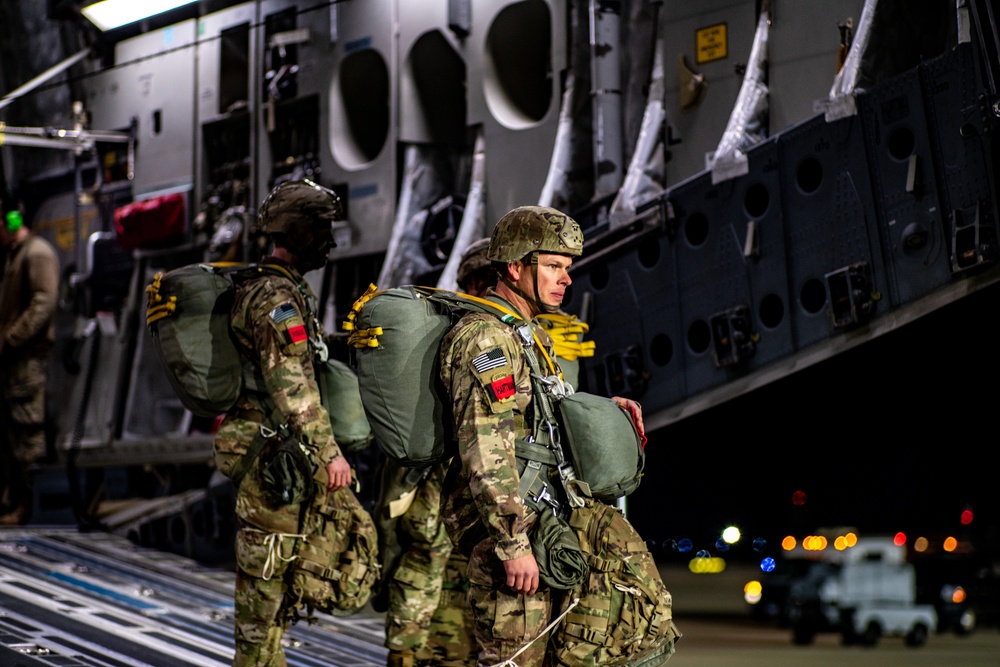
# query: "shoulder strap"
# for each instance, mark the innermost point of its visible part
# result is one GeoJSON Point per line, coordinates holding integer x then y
{"type": "Point", "coordinates": [546, 425]}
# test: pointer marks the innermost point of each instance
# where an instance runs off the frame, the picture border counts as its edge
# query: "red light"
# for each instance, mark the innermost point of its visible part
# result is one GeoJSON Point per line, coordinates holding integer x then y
{"type": "Point", "coordinates": [899, 540]}
{"type": "Point", "coordinates": [799, 498]}
{"type": "Point", "coordinates": [966, 517]}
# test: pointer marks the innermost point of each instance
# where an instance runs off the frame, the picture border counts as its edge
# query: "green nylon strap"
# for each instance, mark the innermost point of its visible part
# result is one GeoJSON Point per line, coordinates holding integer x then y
{"type": "Point", "coordinates": [254, 448]}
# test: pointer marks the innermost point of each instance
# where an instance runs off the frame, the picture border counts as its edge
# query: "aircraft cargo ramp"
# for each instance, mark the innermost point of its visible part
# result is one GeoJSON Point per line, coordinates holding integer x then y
{"type": "Point", "coordinates": [77, 599]}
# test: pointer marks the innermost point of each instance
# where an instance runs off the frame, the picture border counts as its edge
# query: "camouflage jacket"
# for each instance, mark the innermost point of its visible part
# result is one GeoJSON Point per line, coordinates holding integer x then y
{"type": "Point", "coordinates": [272, 325]}
{"type": "Point", "coordinates": [485, 373]}
{"type": "Point", "coordinates": [29, 293]}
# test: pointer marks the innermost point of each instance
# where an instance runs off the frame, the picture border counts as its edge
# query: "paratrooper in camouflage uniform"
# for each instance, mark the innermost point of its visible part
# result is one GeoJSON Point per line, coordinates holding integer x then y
{"type": "Point", "coordinates": [273, 321]}
{"type": "Point", "coordinates": [485, 372]}
{"type": "Point", "coordinates": [428, 619]}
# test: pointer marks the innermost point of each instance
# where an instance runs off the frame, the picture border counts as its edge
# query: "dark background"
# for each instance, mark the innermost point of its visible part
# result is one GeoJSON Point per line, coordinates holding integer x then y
{"type": "Point", "coordinates": [898, 434]}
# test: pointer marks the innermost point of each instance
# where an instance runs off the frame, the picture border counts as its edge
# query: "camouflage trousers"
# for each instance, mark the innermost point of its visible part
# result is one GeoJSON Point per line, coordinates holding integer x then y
{"type": "Point", "coordinates": [265, 547]}
{"type": "Point", "coordinates": [261, 621]}
{"type": "Point", "coordinates": [505, 622]}
{"type": "Point", "coordinates": [451, 637]}
{"type": "Point", "coordinates": [428, 614]}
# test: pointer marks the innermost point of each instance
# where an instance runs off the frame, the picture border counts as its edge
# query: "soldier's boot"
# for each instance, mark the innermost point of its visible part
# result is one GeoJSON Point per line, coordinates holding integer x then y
{"type": "Point", "coordinates": [404, 658]}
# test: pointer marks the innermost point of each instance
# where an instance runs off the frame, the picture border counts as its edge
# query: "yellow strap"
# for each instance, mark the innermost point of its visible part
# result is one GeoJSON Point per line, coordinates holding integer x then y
{"type": "Point", "coordinates": [497, 307]}
{"type": "Point", "coordinates": [361, 338]}
{"type": "Point", "coordinates": [567, 335]}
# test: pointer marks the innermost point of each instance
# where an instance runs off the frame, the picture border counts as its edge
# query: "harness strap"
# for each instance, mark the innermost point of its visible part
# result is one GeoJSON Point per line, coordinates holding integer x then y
{"type": "Point", "coordinates": [262, 435]}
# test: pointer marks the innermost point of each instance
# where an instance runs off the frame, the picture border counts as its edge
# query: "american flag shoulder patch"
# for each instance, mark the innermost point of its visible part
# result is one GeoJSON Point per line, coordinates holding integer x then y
{"type": "Point", "coordinates": [489, 360]}
{"type": "Point", "coordinates": [283, 312]}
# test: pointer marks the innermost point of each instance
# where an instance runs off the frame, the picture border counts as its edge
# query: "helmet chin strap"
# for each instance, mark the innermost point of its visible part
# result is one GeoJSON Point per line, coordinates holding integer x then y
{"type": "Point", "coordinates": [535, 300]}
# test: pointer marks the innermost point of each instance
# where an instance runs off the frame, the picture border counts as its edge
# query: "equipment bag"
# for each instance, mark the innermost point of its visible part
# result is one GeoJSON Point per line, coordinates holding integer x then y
{"type": "Point", "coordinates": [341, 394]}
{"type": "Point", "coordinates": [188, 312]}
{"type": "Point", "coordinates": [604, 445]}
{"type": "Point", "coordinates": [152, 223]}
{"type": "Point", "coordinates": [336, 564]}
{"type": "Point", "coordinates": [397, 335]}
{"type": "Point", "coordinates": [624, 615]}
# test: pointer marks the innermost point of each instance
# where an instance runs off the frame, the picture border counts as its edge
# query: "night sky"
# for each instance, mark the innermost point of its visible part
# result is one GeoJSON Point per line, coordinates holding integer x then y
{"type": "Point", "coordinates": [897, 434]}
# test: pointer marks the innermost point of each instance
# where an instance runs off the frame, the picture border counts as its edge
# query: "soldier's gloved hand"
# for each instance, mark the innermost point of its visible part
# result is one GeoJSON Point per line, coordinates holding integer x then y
{"type": "Point", "coordinates": [522, 574]}
{"type": "Point", "coordinates": [338, 474]}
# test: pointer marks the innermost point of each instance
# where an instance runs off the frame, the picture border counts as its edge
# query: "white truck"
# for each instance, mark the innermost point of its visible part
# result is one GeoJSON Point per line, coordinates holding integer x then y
{"type": "Point", "coordinates": [866, 593]}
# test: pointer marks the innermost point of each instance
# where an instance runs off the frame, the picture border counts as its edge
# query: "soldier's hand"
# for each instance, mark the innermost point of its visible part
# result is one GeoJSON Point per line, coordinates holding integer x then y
{"type": "Point", "coordinates": [522, 574]}
{"type": "Point", "coordinates": [635, 410]}
{"type": "Point", "coordinates": [338, 474]}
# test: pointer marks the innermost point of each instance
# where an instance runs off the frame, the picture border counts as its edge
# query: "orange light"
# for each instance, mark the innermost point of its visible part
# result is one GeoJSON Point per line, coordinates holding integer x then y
{"type": "Point", "coordinates": [920, 545]}
{"type": "Point", "coordinates": [752, 591]}
{"type": "Point", "coordinates": [840, 543]}
{"type": "Point", "coordinates": [788, 543]}
{"type": "Point", "coordinates": [958, 595]}
{"type": "Point", "coordinates": [899, 540]}
{"type": "Point", "coordinates": [851, 539]}
{"type": "Point", "coordinates": [950, 544]}
{"type": "Point", "coordinates": [814, 543]}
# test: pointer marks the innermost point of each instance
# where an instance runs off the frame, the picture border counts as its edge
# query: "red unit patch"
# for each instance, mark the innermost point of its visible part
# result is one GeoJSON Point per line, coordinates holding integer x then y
{"type": "Point", "coordinates": [297, 334]}
{"type": "Point", "coordinates": [503, 388]}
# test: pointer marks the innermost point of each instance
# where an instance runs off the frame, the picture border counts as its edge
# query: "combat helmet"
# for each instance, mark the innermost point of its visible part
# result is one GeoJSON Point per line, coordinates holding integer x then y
{"type": "Point", "coordinates": [301, 213]}
{"type": "Point", "coordinates": [533, 229]}
{"type": "Point", "coordinates": [474, 259]}
{"type": "Point", "coordinates": [527, 231]}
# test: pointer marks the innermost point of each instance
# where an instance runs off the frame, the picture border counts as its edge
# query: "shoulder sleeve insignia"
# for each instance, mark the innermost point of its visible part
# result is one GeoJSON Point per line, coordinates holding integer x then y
{"type": "Point", "coordinates": [502, 388]}
{"type": "Point", "coordinates": [296, 330]}
{"type": "Point", "coordinates": [283, 312]}
{"type": "Point", "coordinates": [489, 360]}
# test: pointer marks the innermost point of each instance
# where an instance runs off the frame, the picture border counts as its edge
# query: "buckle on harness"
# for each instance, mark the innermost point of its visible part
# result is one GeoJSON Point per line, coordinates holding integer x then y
{"type": "Point", "coordinates": [543, 496]}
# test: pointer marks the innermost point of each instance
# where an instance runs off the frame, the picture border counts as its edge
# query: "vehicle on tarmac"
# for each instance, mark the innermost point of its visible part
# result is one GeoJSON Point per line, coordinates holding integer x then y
{"type": "Point", "coordinates": [869, 594]}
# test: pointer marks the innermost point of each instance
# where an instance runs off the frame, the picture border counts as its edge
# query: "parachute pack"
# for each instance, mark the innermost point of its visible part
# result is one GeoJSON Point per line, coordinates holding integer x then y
{"type": "Point", "coordinates": [188, 315]}
{"type": "Point", "coordinates": [397, 334]}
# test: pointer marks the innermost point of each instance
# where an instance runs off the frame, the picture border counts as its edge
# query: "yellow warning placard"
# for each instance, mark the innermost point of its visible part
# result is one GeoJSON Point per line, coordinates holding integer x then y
{"type": "Point", "coordinates": [711, 43]}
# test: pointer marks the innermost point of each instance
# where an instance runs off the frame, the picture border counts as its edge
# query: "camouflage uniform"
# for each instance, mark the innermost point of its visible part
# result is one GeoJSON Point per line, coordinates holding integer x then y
{"type": "Point", "coordinates": [428, 619]}
{"type": "Point", "coordinates": [271, 322]}
{"type": "Point", "coordinates": [484, 370]}
{"type": "Point", "coordinates": [28, 298]}
{"type": "Point", "coordinates": [422, 624]}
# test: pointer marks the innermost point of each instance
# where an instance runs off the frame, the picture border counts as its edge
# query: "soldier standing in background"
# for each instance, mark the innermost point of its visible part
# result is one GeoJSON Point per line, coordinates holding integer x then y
{"type": "Point", "coordinates": [424, 585]}
{"type": "Point", "coordinates": [29, 295]}
{"type": "Point", "coordinates": [273, 320]}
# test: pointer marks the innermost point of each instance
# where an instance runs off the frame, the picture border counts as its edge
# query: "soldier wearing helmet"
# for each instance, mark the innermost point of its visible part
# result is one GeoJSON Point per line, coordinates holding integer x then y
{"type": "Point", "coordinates": [485, 371]}
{"type": "Point", "coordinates": [428, 619]}
{"type": "Point", "coordinates": [273, 320]}
{"type": "Point", "coordinates": [475, 272]}
{"type": "Point", "coordinates": [532, 248]}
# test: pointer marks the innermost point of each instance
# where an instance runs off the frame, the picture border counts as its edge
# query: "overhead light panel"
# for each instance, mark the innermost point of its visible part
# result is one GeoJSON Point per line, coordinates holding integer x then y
{"type": "Point", "coordinates": [111, 14]}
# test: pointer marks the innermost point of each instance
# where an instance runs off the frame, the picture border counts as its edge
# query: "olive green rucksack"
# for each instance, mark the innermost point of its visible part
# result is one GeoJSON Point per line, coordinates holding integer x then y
{"type": "Point", "coordinates": [397, 336]}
